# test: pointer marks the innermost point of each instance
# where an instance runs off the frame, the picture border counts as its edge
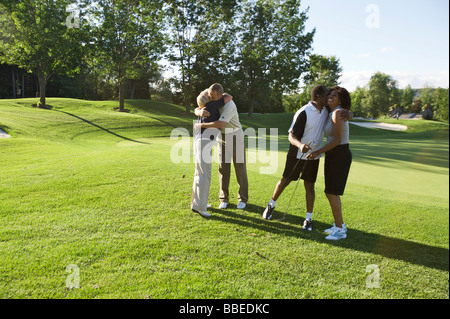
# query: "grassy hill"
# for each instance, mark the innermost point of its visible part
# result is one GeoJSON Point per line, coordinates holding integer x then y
{"type": "Point", "coordinates": [84, 185]}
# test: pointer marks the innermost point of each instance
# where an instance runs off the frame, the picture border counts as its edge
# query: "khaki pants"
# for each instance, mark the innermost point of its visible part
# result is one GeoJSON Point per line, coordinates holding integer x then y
{"type": "Point", "coordinates": [202, 177]}
{"type": "Point", "coordinates": [232, 149]}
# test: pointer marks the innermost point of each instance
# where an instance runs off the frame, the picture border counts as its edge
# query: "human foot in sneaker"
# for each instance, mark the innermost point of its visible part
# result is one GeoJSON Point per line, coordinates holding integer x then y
{"type": "Point", "coordinates": [307, 224]}
{"type": "Point", "coordinates": [204, 214]}
{"type": "Point", "coordinates": [223, 205]}
{"type": "Point", "coordinates": [337, 234]}
{"type": "Point", "coordinates": [268, 212]}
{"type": "Point", "coordinates": [241, 205]}
{"type": "Point", "coordinates": [330, 230]}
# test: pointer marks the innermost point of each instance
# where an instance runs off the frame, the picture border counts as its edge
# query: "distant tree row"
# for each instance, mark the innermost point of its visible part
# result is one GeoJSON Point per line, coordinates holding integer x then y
{"type": "Point", "coordinates": [381, 96]}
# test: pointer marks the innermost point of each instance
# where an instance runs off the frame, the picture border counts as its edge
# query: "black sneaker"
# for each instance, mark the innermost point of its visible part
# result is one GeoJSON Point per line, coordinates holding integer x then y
{"type": "Point", "coordinates": [307, 225]}
{"type": "Point", "coordinates": [268, 212]}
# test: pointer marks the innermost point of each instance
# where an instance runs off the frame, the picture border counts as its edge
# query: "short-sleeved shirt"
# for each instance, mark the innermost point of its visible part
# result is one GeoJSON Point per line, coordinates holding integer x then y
{"type": "Point", "coordinates": [230, 115]}
{"type": "Point", "coordinates": [307, 125]}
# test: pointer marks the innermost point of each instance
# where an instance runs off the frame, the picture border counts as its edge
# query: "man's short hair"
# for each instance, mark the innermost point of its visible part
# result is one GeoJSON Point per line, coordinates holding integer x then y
{"type": "Point", "coordinates": [318, 90]}
{"type": "Point", "coordinates": [216, 87]}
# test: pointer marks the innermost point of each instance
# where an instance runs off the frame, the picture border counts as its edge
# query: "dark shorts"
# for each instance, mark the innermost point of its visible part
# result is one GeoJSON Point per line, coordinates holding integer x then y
{"type": "Point", "coordinates": [294, 167]}
{"type": "Point", "coordinates": [337, 167]}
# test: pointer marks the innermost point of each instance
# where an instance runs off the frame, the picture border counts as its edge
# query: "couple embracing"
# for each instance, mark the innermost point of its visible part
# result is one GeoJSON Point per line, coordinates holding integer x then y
{"type": "Point", "coordinates": [218, 121]}
{"type": "Point", "coordinates": [326, 114]}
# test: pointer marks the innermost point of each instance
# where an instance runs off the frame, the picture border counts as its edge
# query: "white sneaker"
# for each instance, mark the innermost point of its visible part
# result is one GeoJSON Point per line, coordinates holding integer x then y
{"type": "Point", "coordinates": [241, 205]}
{"type": "Point", "coordinates": [223, 205]}
{"type": "Point", "coordinates": [268, 212]}
{"type": "Point", "coordinates": [337, 233]}
{"type": "Point", "coordinates": [330, 230]}
{"type": "Point", "coordinates": [204, 214]}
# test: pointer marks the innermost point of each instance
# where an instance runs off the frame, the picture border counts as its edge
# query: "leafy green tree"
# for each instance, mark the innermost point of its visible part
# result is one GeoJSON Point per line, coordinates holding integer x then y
{"type": "Point", "coordinates": [196, 41]}
{"type": "Point", "coordinates": [426, 96]}
{"type": "Point", "coordinates": [323, 70]}
{"type": "Point", "coordinates": [407, 98]}
{"type": "Point", "coordinates": [357, 97]}
{"type": "Point", "coordinates": [127, 34]}
{"type": "Point", "coordinates": [140, 75]}
{"type": "Point", "coordinates": [441, 98]}
{"type": "Point", "coordinates": [377, 99]}
{"type": "Point", "coordinates": [34, 35]}
{"type": "Point", "coordinates": [416, 106]}
{"type": "Point", "coordinates": [395, 97]}
{"type": "Point", "coordinates": [215, 43]}
{"type": "Point", "coordinates": [272, 49]}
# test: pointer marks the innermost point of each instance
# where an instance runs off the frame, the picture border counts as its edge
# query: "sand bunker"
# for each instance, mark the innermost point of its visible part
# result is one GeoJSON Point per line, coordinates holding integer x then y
{"type": "Point", "coordinates": [384, 126]}
{"type": "Point", "coordinates": [3, 134]}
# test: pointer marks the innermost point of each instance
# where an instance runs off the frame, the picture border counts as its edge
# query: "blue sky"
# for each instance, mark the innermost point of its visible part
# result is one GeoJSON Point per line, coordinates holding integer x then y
{"type": "Point", "coordinates": [408, 40]}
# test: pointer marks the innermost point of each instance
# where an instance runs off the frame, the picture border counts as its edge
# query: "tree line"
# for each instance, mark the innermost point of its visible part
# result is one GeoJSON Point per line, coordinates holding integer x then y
{"type": "Point", "coordinates": [259, 50]}
{"type": "Point", "coordinates": [381, 96]}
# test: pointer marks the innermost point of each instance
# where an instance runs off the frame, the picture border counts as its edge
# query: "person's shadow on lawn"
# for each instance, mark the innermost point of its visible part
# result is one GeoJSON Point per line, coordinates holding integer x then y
{"type": "Point", "coordinates": [390, 247]}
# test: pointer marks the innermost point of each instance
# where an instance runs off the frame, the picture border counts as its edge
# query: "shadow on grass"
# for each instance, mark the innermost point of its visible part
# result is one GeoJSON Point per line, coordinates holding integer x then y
{"type": "Point", "coordinates": [102, 128]}
{"type": "Point", "coordinates": [389, 247]}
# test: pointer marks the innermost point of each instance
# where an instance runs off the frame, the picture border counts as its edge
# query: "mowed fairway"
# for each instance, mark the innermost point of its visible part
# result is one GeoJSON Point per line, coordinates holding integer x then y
{"type": "Point", "coordinates": [87, 188]}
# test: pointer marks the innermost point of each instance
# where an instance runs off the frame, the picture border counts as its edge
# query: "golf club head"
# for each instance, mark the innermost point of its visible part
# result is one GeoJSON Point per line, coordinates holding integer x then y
{"type": "Point", "coordinates": [282, 219]}
{"type": "Point", "coordinates": [187, 167]}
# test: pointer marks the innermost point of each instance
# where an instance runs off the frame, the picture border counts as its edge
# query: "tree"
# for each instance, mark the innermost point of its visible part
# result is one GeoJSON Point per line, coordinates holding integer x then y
{"type": "Point", "coordinates": [357, 97]}
{"type": "Point", "coordinates": [196, 26]}
{"type": "Point", "coordinates": [215, 44]}
{"type": "Point", "coordinates": [139, 76]}
{"type": "Point", "coordinates": [377, 99]}
{"type": "Point", "coordinates": [441, 101]}
{"type": "Point", "coordinates": [272, 45]}
{"type": "Point", "coordinates": [35, 37]}
{"type": "Point", "coordinates": [416, 106]}
{"type": "Point", "coordinates": [128, 34]}
{"type": "Point", "coordinates": [323, 70]}
{"type": "Point", "coordinates": [426, 96]}
{"type": "Point", "coordinates": [395, 97]}
{"type": "Point", "coordinates": [407, 97]}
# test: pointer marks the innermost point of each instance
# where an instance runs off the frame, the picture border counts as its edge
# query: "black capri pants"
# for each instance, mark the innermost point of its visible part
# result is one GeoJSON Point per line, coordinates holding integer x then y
{"type": "Point", "coordinates": [337, 167]}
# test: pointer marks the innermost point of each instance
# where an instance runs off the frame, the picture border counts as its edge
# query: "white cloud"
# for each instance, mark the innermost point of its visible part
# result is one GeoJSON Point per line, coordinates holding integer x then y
{"type": "Point", "coordinates": [386, 49]}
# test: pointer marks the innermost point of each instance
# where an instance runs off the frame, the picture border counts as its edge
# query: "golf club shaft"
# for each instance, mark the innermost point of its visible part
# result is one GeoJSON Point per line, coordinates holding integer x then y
{"type": "Point", "coordinates": [301, 174]}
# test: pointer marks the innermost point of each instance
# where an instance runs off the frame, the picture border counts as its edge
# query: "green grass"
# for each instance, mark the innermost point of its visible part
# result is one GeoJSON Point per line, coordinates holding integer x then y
{"type": "Point", "coordinates": [83, 184]}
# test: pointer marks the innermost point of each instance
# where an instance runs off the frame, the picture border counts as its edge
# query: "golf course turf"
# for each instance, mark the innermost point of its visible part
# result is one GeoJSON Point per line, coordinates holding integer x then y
{"type": "Point", "coordinates": [85, 187]}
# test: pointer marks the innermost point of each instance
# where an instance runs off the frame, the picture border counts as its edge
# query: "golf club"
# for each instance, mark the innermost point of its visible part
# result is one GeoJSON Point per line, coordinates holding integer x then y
{"type": "Point", "coordinates": [301, 174]}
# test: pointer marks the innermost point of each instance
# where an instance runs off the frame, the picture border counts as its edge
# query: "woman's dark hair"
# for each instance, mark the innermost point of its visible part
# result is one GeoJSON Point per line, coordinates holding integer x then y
{"type": "Point", "coordinates": [344, 97]}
